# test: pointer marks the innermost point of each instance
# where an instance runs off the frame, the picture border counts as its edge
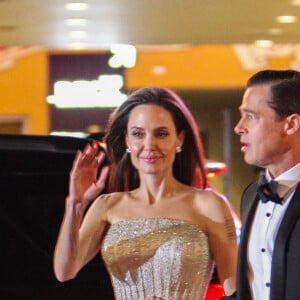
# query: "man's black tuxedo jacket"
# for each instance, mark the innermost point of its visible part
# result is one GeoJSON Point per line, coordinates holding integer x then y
{"type": "Point", "coordinates": [285, 273]}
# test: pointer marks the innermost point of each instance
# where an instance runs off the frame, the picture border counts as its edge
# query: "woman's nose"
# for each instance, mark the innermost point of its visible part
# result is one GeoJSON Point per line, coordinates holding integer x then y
{"type": "Point", "coordinates": [149, 142]}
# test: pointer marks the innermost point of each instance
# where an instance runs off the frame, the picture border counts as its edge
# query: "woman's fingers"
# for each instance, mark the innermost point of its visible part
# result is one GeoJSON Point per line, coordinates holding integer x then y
{"type": "Point", "coordinates": [102, 177]}
{"type": "Point", "coordinates": [87, 161]}
{"type": "Point", "coordinates": [86, 156]}
{"type": "Point", "coordinates": [101, 156]}
{"type": "Point", "coordinates": [88, 153]}
{"type": "Point", "coordinates": [76, 160]}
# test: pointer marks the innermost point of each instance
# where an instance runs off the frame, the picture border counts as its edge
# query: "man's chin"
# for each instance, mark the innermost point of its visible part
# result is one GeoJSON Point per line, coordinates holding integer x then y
{"type": "Point", "coordinates": [248, 160]}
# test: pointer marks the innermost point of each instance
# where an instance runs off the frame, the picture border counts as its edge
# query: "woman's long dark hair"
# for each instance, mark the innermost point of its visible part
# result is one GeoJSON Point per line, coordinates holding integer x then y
{"type": "Point", "coordinates": [188, 167]}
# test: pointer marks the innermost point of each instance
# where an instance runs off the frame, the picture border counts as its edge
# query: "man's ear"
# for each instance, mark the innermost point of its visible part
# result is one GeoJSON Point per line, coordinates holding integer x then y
{"type": "Point", "coordinates": [292, 123]}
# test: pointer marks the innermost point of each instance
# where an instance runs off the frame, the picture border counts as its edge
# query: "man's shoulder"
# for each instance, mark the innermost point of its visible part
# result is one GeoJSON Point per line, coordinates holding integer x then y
{"type": "Point", "coordinates": [247, 199]}
{"type": "Point", "coordinates": [250, 190]}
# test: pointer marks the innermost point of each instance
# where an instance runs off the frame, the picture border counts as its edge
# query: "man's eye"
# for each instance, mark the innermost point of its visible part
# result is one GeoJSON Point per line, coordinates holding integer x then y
{"type": "Point", "coordinates": [249, 116]}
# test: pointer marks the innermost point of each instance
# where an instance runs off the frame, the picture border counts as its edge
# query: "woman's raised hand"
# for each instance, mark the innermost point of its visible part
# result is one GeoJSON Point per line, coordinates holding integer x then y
{"type": "Point", "coordinates": [85, 182]}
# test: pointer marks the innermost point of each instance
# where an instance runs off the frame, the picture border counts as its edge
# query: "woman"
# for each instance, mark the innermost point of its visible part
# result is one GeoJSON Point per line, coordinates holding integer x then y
{"type": "Point", "coordinates": [158, 229]}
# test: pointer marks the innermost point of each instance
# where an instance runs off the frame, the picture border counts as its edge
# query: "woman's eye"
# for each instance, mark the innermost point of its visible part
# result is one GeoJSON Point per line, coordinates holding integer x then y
{"type": "Point", "coordinates": [163, 133]}
{"type": "Point", "coordinates": [137, 134]}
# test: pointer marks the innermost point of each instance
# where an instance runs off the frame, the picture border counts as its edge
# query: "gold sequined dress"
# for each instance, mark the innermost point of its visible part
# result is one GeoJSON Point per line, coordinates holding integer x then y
{"type": "Point", "coordinates": [163, 258]}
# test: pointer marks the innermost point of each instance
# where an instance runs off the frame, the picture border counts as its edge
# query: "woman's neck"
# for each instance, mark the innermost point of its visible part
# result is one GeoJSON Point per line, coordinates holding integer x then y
{"type": "Point", "coordinates": [155, 190]}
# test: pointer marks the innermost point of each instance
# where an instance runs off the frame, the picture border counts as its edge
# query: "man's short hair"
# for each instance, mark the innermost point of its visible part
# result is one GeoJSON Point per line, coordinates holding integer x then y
{"type": "Point", "coordinates": [284, 90]}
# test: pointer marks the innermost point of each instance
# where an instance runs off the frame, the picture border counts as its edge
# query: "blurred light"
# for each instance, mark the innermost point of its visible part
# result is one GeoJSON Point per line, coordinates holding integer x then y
{"type": "Point", "coordinates": [76, 6]}
{"type": "Point", "coordinates": [211, 175]}
{"type": "Point", "coordinates": [76, 22]}
{"type": "Point", "coordinates": [123, 55]}
{"type": "Point", "coordinates": [286, 19]}
{"type": "Point", "coordinates": [263, 43]}
{"type": "Point", "coordinates": [296, 2]}
{"type": "Point", "coordinates": [214, 168]}
{"type": "Point", "coordinates": [78, 34]}
{"type": "Point", "coordinates": [104, 92]}
{"type": "Point", "coordinates": [77, 134]}
{"type": "Point", "coordinates": [78, 46]}
{"type": "Point", "coordinates": [275, 31]}
{"type": "Point", "coordinates": [159, 70]}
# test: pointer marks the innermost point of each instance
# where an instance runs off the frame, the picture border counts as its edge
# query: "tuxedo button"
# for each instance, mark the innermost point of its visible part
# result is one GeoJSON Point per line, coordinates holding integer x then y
{"type": "Point", "coordinates": [268, 284]}
{"type": "Point", "coordinates": [268, 215]}
{"type": "Point", "coordinates": [263, 250]}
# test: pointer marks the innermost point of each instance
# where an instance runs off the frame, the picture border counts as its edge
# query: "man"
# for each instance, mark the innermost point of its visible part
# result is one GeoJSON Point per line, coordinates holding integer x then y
{"type": "Point", "coordinates": [269, 130]}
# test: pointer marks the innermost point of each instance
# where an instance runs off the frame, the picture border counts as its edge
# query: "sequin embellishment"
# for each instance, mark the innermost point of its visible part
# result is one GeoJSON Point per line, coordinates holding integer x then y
{"type": "Point", "coordinates": [163, 258]}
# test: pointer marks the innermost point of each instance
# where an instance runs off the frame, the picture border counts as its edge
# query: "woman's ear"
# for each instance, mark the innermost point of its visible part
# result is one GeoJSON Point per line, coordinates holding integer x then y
{"type": "Point", "coordinates": [292, 123]}
{"type": "Point", "coordinates": [126, 139]}
{"type": "Point", "coordinates": [181, 137]}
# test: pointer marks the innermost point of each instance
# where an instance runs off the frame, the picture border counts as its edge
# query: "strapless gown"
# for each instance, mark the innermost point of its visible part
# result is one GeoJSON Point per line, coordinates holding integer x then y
{"type": "Point", "coordinates": [163, 258]}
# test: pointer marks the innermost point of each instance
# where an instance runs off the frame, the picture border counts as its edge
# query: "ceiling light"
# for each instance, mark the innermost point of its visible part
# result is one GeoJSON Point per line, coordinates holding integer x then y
{"type": "Point", "coordinates": [263, 43]}
{"type": "Point", "coordinates": [76, 22]}
{"type": "Point", "coordinates": [78, 34]}
{"type": "Point", "coordinates": [78, 46]}
{"type": "Point", "coordinates": [275, 31]}
{"type": "Point", "coordinates": [76, 6]}
{"type": "Point", "coordinates": [296, 2]}
{"type": "Point", "coordinates": [286, 19]}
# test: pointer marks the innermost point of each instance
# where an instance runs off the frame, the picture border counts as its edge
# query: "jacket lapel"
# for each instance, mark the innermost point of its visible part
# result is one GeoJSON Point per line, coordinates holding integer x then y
{"type": "Point", "coordinates": [278, 261]}
{"type": "Point", "coordinates": [249, 204]}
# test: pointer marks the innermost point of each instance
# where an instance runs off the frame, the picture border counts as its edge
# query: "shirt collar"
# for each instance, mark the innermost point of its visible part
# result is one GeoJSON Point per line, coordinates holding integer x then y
{"type": "Point", "coordinates": [293, 174]}
{"type": "Point", "coordinates": [287, 180]}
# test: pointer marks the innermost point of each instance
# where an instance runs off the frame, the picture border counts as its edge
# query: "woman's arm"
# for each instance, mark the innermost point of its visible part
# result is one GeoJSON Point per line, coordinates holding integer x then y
{"type": "Point", "coordinates": [80, 231]}
{"type": "Point", "coordinates": [222, 240]}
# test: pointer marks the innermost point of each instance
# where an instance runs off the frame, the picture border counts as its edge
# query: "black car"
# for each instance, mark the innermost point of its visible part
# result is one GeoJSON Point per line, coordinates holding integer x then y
{"type": "Point", "coordinates": [34, 173]}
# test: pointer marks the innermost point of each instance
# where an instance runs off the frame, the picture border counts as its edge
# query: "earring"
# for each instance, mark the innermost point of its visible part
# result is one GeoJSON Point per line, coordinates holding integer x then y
{"type": "Point", "coordinates": [128, 150]}
{"type": "Point", "coordinates": [178, 149]}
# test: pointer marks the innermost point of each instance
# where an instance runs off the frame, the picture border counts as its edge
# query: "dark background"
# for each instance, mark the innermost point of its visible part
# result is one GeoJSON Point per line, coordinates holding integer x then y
{"type": "Point", "coordinates": [33, 185]}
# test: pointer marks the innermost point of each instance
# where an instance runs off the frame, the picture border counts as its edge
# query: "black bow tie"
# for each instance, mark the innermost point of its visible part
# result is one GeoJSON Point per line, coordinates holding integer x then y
{"type": "Point", "coordinates": [267, 191]}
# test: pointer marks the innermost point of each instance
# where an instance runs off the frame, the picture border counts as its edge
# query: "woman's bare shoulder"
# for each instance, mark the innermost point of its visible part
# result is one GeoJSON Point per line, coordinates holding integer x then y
{"type": "Point", "coordinates": [211, 203]}
{"type": "Point", "coordinates": [111, 199]}
{"type": "Point", "coordinates": [206, 195]}
{"type": "Point", "coordinates": [104, 204]}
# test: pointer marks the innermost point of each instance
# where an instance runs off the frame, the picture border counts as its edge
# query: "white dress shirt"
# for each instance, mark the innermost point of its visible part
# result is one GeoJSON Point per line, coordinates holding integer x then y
{"type": "Point", "coordinates": [264, 229]}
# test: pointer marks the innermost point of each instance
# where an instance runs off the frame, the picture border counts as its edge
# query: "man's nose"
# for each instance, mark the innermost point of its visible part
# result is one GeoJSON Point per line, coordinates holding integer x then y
{"type": "Point", "coordinates": [238, 127]}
